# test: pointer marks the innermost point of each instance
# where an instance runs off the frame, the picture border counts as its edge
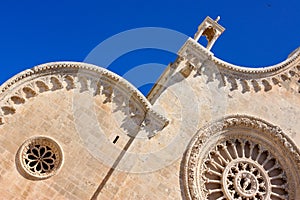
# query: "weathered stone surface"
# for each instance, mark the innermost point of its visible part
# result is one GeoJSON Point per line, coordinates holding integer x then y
{"type": "Point", "coordinates": [116, 144]}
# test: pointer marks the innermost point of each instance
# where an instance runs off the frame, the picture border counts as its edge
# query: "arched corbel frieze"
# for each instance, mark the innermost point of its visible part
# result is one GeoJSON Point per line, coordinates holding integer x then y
{"type": "Point", "coordinates": [261, 79]}
{"type": "Point", "coordinates": [51, 77]}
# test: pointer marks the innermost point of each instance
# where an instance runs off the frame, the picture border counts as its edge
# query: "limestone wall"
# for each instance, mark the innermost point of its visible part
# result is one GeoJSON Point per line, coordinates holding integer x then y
{"type": "Point", "coordinates": [113, 144]}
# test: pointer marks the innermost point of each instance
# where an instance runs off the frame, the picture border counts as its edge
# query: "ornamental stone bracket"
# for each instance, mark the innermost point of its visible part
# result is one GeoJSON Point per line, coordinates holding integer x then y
{"type": "Point", "coordinates": [285, 74]}
{"type": "Point", "coordinates": [194, 53]}
{"type": "Point", "coordinates": [83, 77]}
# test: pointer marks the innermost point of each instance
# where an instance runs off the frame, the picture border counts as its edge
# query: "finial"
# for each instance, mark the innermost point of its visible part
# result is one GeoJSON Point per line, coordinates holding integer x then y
{"type": "Point", "coordinates": [218, 18]}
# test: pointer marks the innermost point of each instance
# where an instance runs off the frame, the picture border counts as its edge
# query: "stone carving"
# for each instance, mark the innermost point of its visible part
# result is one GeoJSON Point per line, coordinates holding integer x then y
{"type": "Point", "coordinates": [65, 75]}
{"type": "Point", "coordinates": [241, 169]}
{"type": "Point", "coordinates": [241, 157]}
{"type": "Point", "coordinates": [39, 158]}
{"type": "Point", "coordinates": [262, 79]}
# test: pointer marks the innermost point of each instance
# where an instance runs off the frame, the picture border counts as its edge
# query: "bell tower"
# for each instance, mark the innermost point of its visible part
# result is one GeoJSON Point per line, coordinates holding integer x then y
{"type": "Point", "coordinates": [211, 30]}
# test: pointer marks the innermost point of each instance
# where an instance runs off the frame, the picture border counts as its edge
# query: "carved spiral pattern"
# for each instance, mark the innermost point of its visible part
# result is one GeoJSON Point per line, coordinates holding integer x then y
{"type": "Point", "coordinates": [39, 158]}
{"type": "Point", "coordinates": [241, 169]}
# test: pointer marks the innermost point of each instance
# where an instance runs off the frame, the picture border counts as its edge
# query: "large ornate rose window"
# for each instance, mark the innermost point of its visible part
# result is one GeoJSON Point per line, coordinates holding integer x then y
{"type": "Point", "coordinates": [241, 169]}
{"type": "Point", "coordinates": [241, 158]}
{"type": "Point", "coordinates": [39, 158]}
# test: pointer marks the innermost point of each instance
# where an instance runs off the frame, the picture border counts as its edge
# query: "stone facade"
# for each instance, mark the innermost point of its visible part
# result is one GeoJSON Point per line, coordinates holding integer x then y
{"type": "Point", "coordinates": [207, 130]}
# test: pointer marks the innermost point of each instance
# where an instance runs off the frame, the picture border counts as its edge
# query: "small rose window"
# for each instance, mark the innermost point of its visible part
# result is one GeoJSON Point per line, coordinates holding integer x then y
{"type": "Point", "coordinates": [39, 158]}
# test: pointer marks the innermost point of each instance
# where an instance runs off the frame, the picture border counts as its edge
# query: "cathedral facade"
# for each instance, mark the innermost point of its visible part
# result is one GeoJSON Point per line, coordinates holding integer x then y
{"type": "Point", "coordinates": [208, 129]}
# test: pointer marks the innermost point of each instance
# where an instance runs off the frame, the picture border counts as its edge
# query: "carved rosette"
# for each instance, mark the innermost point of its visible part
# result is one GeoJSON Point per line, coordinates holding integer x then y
{"type": "Point", "coordinates": [244, 158]}
{"type": "Point", "coordinates": [39, 158]}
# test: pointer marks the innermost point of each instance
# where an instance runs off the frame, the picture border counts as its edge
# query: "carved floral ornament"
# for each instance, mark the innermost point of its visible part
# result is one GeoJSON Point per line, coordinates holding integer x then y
{"type": "Point", "coordinates": [39, 158]}
{"type": "Point", "coordinates": [244, 158]}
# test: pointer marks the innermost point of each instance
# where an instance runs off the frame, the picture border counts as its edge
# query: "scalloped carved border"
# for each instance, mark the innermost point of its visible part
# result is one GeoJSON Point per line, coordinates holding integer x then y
{"type": "Point", "coordinates": [234, 122]}
{"type": "Point", "coordinates": [255, 79]}
{"type": "Point", "coordinates": [68, 75]}
{"type": "Point", "coordinates": [192, 46]}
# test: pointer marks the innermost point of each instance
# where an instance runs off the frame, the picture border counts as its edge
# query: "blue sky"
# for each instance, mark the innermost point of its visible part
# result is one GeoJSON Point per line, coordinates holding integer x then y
{"type": "Point", "coordinates": [258, 33]}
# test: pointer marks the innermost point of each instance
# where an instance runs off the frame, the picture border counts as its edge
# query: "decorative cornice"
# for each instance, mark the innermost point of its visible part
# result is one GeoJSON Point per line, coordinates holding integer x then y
{"type": "Point", "coordinates": [270, 70]}
{"type": "Point", "coordinates": [256, 79]}
{"type": "Point", "coordinates": [60, 72]}
{"type": "Point", "coordinates": [192, 46]}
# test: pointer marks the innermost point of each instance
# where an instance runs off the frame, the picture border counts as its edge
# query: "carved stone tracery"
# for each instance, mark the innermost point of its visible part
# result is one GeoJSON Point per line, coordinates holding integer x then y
{"type": "Point", "coordinates": [39, 158]}
{"type": "Point", "coordinates": [241, 169]}
{"type": "Point", "coordinates": [242, 158]}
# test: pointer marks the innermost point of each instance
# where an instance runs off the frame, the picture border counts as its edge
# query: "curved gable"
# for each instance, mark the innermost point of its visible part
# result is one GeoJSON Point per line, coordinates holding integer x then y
{"type": "Point", "coordinates": [262, 78]}
{"type": "Point", "coordinates": [70, 75]}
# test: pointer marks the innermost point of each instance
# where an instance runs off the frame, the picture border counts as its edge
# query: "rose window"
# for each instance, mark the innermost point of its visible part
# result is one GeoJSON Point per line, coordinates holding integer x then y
{"type": "Point", "coordinates": [244, 158]}
{"type": "Point", "coordinates": [40, 157]}
{"type": "Point", "coordinates": [244, 179]}
{"type": "Point", "coordinates": [240, 169]}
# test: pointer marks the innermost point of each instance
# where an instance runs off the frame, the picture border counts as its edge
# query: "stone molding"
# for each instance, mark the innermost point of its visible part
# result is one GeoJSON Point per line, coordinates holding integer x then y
{"type": "Point", "coordinates": [69, 75]}
{"type": "Point", "coordinates": [192, 46]}
{"type": "Point", "coordinates": [255, 79]}
{"type": "Point", "coordinates": [282, 145]}
{"type": "Point", "coordinates": [39, 158]}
